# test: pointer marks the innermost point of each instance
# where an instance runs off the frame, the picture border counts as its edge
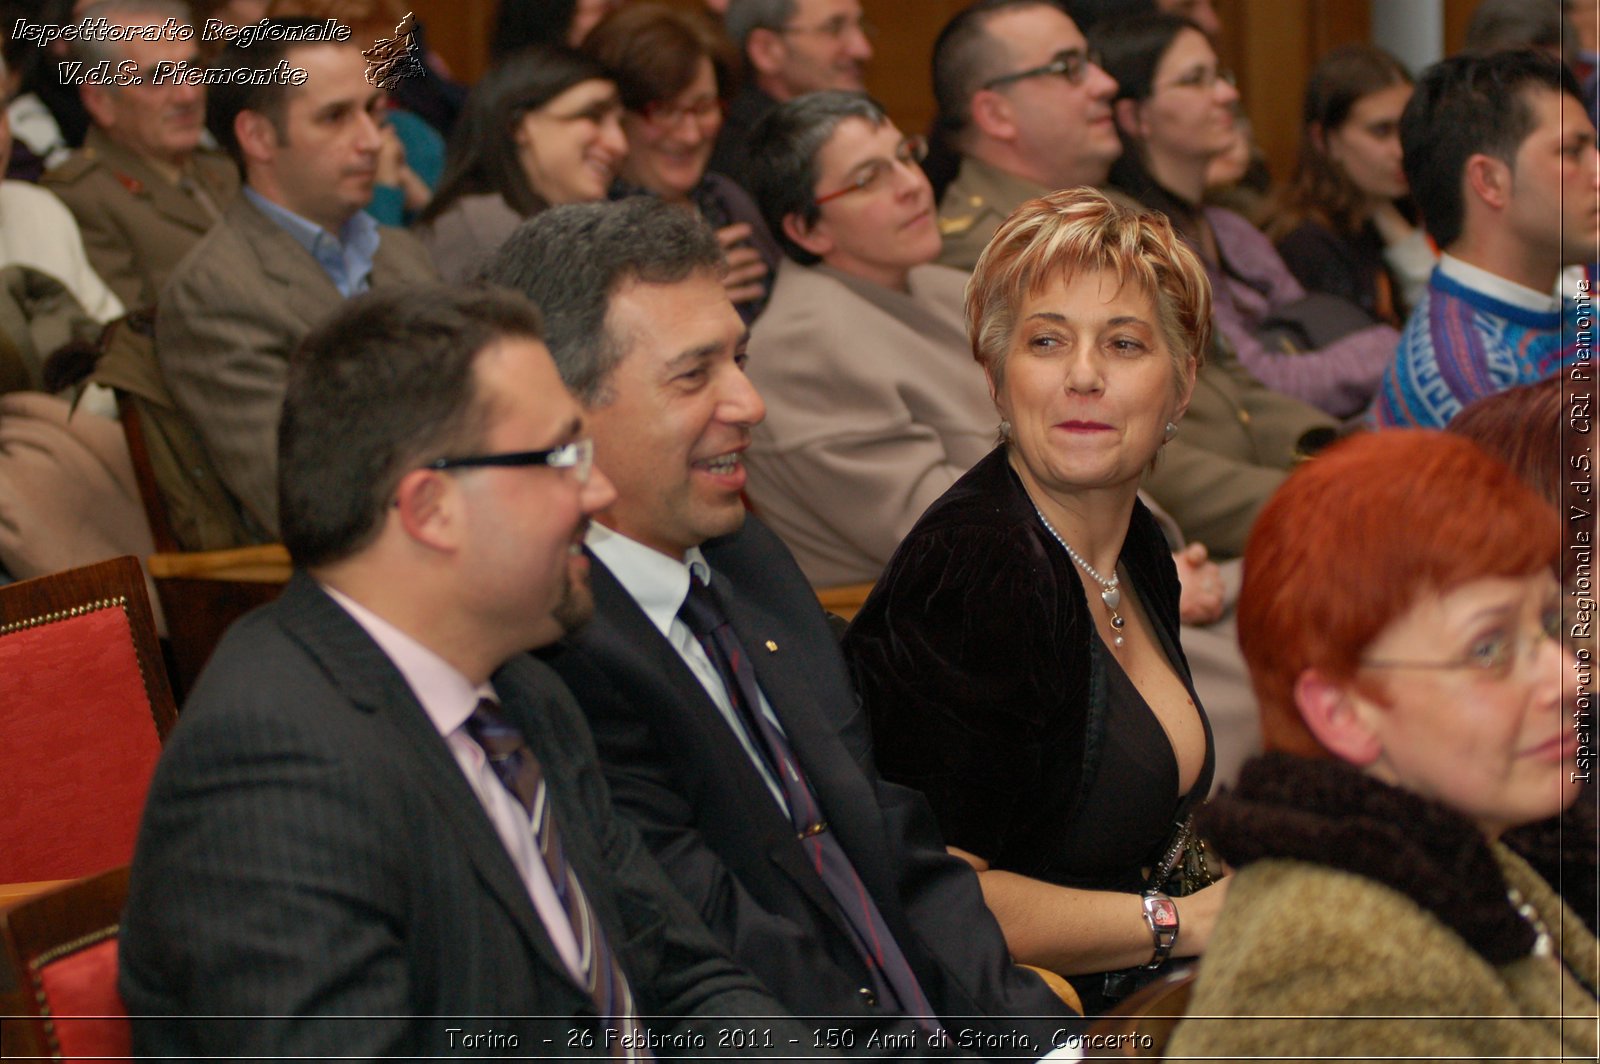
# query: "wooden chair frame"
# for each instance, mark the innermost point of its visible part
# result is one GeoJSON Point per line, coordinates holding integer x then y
{"type": "Point", "coordinates": [118, 582]}
{"type": "Point", "coordinates": [38, 931]}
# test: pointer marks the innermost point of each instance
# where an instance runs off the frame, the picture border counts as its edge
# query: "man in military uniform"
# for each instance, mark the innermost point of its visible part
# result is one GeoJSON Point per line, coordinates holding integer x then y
{"type": "Point", "coordinates": [1023, 101]}
{"type": "Point", "coordinates": [142, 190]}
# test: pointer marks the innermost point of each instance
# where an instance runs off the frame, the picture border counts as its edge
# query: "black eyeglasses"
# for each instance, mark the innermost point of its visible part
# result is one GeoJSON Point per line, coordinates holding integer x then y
{"type": "Point", "coordinates": [1072, 64]}
{"type": "Point", "coordinates": [576, 457]}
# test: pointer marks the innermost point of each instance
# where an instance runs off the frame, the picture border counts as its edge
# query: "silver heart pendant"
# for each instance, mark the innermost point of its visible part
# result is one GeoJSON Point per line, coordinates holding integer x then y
{"type": "Point", "coordinates": [1112, 597]}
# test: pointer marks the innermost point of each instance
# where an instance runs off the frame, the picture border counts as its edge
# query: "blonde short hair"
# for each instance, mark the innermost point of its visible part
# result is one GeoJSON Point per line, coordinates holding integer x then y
{"type": "Point", "coordinates": [1080, 229]}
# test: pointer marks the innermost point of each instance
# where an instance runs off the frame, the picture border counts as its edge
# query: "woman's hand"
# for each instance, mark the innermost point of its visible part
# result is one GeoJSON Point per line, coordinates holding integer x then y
{"type": "Point", "coordinates": [393, 171]}
{"type": "Point", "coordinates": [745, 268]}
{"type": "Point", "coordinates": [1197, 918]}
{"type": "Point", "coordinates": [1202, 600]}
{"type": "Point", "coordinates": [1391, 224]}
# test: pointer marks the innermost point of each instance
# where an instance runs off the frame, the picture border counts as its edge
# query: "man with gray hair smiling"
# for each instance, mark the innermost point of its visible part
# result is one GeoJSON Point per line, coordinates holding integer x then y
{"type": "Point", "coordinates": [726, 722]}
{"type": "Point", "coordinates": [142, 189]}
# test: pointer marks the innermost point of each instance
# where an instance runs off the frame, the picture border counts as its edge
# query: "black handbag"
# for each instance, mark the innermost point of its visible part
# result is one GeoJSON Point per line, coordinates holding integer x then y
{"type": "Point", "coordinates": [1311, 323]}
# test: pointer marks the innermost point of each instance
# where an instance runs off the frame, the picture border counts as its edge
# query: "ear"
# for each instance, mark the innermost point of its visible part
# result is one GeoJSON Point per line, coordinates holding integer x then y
{"type": "Point", "coordinates": [992, 114]}
{"type": "Point", "coordinates": [97, 101]}
{"type": "Point", "coordinates": [1319, 137]}
{"type": "Point", "coordinates": [994, 393]}
{"type": "Point", "coordinates": [766, 51]}
{"type": "Point", "coordinates": [815, 238]}
{"type": "Point", "coordinates": [257, 137]}
{"type": "Point", "coordinates": [1128, 118]}
{"type": "Point", "coordinates": [1489, 179]}
{"type": "Point", "coordinates": [1186, 393]}
{"type": "Point", "coordinates": [426, 507]}
{"type": "Point", "coordinates": [1340, 719]}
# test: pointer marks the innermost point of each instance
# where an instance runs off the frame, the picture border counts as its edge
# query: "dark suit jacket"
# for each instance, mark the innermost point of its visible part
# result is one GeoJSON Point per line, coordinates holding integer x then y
{"type": "Point", "coordinates": [311, 849]}
{"type": "Point", "coordinates": [236, 307]}
{"type": "Point", "coordinates": [677, 770]}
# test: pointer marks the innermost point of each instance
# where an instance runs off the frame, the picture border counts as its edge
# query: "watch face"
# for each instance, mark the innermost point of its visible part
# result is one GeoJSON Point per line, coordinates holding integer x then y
{"type": "Point", "coordinates": [1162, 911]}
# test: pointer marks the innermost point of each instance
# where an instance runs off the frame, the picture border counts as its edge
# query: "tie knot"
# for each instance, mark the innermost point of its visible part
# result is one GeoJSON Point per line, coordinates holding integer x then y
{"type": "Point", "coordinates": [700, 609]}
{"type": "Point", "coordinates": [490, 729]}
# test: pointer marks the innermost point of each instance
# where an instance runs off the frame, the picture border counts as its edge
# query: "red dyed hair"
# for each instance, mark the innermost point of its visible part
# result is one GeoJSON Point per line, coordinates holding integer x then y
{"type": "Point", "coordinates": [1526, 428]}
{"type": "Point", "coordinates": [1355, 537]}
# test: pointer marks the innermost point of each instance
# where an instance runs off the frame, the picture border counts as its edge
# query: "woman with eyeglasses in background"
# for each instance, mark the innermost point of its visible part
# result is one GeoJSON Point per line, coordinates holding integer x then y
{"type": "Point", "coordinates": [540, 130]}
{"type": "Point", "coordinates": [1344, 226]}
{"type": "Point", "coordinates": [874, 404]}
{"type": "Point", "coordinates": [1175, 114]}
{"type": "Point", "coordinates": [672, 67]}
{"type": "Point", "coordinates": [1402, 621]}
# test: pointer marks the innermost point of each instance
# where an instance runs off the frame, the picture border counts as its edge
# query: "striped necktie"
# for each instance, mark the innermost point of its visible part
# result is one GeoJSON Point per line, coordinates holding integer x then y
{"type": "Point", "coordinates": [516, 766]}
{"type": "Point", "coordinates": [895, 979]}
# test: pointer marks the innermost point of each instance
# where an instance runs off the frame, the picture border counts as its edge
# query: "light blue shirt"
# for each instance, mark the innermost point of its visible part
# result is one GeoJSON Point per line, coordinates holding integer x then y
{"type": "Point", "coordinates": [346, 258]}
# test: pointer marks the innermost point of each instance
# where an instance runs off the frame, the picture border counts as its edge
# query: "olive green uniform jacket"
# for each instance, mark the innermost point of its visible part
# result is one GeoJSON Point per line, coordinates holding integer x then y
{"type": "Point", "coordinates": [136, 223]}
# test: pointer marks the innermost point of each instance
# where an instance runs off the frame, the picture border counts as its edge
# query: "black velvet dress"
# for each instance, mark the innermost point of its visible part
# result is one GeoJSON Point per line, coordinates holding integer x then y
{"type": "Point", "coordinates": [989, 690]}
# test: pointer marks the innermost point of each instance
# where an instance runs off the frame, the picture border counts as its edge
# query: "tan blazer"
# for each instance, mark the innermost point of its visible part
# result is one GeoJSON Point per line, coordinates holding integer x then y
{"type": "Point", "coordinates": [137, 224]}
{"type": "Point", "coordinates": [1234, 447]}
{"type": "Point", "coordinates": [235, 309]}
{"type": "Point", "coordinates": [875, 407]}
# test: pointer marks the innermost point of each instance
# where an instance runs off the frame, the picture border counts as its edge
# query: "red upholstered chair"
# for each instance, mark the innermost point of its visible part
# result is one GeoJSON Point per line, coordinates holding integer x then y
{"type": "Point", "coordinates": [61, 963]}
{"type": "Point", "coordinates": [84, 705]}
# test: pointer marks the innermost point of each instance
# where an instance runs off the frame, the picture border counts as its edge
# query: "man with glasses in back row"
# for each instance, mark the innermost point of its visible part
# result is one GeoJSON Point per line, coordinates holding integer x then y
{"type": "Point", "coordinates": [1021, 98]}
{"type": "Point", "coordinates": [789, 48]}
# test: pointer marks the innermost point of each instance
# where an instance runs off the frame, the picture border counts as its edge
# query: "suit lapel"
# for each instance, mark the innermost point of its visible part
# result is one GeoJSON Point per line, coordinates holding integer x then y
{"type": "Point", "coordinates": [366, 676]}
{"type": "Point", "coordinates": [632, 637]}
{"type": "Point", "coordinates": [282, 259]}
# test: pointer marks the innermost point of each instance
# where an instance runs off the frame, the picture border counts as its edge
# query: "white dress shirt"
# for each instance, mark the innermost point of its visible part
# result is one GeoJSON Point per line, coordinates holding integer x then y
{"type": "Point", "coordinates": [659, 585]}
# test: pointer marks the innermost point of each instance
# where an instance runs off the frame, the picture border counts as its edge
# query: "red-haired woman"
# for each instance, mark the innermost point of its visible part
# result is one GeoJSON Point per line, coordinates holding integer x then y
{"type": "Point", "coordinates": [1402, 624]}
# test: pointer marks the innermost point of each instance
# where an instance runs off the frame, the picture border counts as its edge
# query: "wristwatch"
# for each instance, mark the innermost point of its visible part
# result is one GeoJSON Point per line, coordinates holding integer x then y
{"type": "Point", "coordinates": [1162, 916]}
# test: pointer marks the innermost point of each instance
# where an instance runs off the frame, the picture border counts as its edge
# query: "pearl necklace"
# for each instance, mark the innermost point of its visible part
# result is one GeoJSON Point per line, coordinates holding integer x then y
{"type": "Point", "coordinates": [1525, 909]}
{"type": "Point", "coordinates": [1110, 594]}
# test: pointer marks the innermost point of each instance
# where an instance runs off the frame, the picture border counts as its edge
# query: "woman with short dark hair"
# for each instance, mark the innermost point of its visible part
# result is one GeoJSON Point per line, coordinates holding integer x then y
{"type": "Point", "coordinates": [1175, 113]}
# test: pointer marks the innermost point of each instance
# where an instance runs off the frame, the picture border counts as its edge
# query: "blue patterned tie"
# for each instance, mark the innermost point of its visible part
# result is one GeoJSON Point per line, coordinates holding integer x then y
{"type": "Point", "coordinates": [892, 973]}
{"type": "Point", "coordinates": [516, 766]}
